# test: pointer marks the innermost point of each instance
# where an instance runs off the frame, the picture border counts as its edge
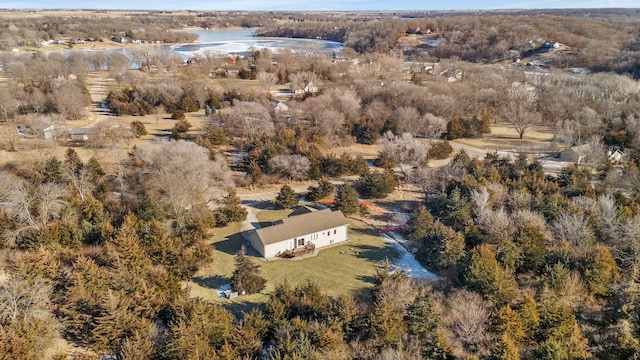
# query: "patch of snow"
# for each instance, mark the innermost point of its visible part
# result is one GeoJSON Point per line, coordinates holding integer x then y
{"type": "Point", "coordinates": [402, 217]}
{"type": "Point", "coordinates": [406, 261]}
{"type": "Point", "coordinates": [221, 289]}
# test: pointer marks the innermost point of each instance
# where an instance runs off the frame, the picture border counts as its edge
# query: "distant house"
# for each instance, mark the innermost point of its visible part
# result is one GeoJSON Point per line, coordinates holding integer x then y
{"type": "Point", "coordinates": [309, 88]}
{"type": "Point", "coordinates": [119, 39]}
{"type": "Point", "coordinates": [305, 228]}
{"type": "Point", "coordinates": [54, 131]}
{"type": "Point", "coordinates": [576, 154]}
{"type": "Point", "coordinates": [280, 107]}
{"type": "Point", "coordinates": [80, 133]}
{"type": "Point", "coordinates": [616, 156]}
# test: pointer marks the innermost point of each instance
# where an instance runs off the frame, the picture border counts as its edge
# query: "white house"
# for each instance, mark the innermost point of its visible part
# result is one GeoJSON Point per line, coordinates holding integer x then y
{"type": "Point", "coordinates": [616, 156]}
{"type": "Point", "coordinates": [305, 229]}
{"type": "Point", "coordinates": [54, 131]}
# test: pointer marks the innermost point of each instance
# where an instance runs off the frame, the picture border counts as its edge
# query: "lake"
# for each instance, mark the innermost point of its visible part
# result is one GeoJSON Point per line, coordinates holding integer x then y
{"type": "Point", "coordinates": [241, 41]}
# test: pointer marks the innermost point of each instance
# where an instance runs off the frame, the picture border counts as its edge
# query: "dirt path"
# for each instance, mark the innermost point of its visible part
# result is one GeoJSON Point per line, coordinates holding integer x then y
{"type": "Point", "coordinates": [99, 92]}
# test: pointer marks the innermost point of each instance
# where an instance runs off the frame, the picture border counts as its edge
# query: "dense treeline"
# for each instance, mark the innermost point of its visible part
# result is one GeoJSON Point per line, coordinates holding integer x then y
{"type": "Point", "coordinates": [34, 30]}
{"type": "Point", "coordinates": [98, 254]}
{"type": "Point", "coordinates": [485, 38]}
{"type": "Point", "coordinates": [553, 259]}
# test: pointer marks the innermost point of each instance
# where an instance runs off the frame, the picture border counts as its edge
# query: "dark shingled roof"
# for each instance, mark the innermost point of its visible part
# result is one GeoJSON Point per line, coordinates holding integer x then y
{"type": "Point", "coordinates": [300, 225]}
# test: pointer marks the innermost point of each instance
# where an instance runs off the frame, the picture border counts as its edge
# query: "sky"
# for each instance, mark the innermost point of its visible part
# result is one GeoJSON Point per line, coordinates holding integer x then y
{"type": "Point", "coordinates": [301, 5]}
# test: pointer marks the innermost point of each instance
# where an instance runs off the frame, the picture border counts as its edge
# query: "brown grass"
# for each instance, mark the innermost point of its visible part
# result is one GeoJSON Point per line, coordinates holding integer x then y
{"type": "Point", "coordinates": [503, 136]}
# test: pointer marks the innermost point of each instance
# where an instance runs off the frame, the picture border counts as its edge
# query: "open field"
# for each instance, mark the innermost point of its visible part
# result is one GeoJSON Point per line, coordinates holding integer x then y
{"type": "Point", "coordinates": [348, 268]}
{"type": "Point", "coordinates": [503, 136]}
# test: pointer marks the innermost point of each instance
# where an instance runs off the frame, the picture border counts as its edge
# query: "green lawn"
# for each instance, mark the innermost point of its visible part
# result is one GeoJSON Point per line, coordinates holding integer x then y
{"type": "Point", "coordinates": [348, 268]}
{"type": "Point", "coordinates": [267, 217]}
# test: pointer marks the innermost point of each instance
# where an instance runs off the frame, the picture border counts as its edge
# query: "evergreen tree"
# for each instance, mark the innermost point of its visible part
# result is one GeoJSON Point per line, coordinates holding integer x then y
{"type": "Point", "coordinates": [323, 190]}
{"type": "Point", "coordinates": [533, 243]}
{"type": "Point", "coordinates": [346, 199]}
{"type": "Point", "coordinates": [138, 128]}
{"type": "Point", "coordinates": [246, 276]}
{"type": "Point", "coordinates": [377, 185]}
{"type": "Point", "coordinates": [385, 324]}
{"type": "Point", "coordinates": [287, 198]}
{"type": "Point", "coordinates": [453, 210]}
{"type": "Point", "coordinates": [72, 161]}
{"type": "Point", "coordinates": [343, 314]}
{"type": "Point", "coordinates": [198, 330]}
{"type": "Point", "coordinates": [14, 346]}
{"type": "Point", "coordinates": [509, 323]}
{"type": "Point", "coordinates": [137, 346]}
{"type": "Point", "coordinates": [423, 321]}
{"type": "Point", "coordinates": [231, 209]}
{"type": "Point", "coordinates": [505, 349]}
{"type": "Point", "coordinates": [600, 271]}
{"type": "Point", "coordinates": [419, 224]}
{"type": "Point", "coordinates": [117, 321]}
{"type": "Point", "coordinates": [551, 350]}
{"type": "Point", "coordinates": [254, 172]}
{"type": "Point", "coordinates": [527, 308]}
{"type": "Point", "coordinates": [52, 171]}
{"type": "Point", "coordinates": [442, 247]}
{"type": "Point", "coordinates": [180, 128]}
{"type": "Point", "coordinates": [95, 169]}
{"type": "Point", "coordinates": [487, 276]}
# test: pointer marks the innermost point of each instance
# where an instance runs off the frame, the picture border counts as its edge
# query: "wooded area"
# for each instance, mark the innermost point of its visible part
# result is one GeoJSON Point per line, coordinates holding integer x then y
{"type": "Point", "coordinates": [100, 249]}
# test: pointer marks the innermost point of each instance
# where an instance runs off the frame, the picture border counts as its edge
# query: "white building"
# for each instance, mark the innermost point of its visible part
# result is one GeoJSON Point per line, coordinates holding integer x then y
{"type": "Point", "coordinates": [312, 229]}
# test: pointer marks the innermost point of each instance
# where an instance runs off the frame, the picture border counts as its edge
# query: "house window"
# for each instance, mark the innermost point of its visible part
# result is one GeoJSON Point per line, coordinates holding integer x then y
{"type": "Point", "coordinates": [331, 241]}
{"type": "Point", "coordinates": [301, 242]}
{"type": "Point", "coordinates": [334, 231]}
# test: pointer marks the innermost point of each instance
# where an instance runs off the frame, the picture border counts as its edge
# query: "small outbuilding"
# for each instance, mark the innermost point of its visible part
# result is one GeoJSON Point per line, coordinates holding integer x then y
{"type": "Point", "coordinates": [306, 229]}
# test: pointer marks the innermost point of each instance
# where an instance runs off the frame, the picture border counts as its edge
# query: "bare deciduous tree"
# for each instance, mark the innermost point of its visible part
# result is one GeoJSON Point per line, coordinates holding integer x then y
{"type": "Point", "coordinates": [407, 152]}
{"type": "Point", "coordinates": [575, 230]}
{"type": "Point", "coordinates": [34, 207]}
{"type": "Point", "coordinates": [568, 131]}
{"type": "Point", "coordinates": [304, 82]}
{"type": "Point", "coordinates": [9, 136]}
{"type": "Point", "coordinates": [182, 174]}
{"type": "Point", "coordinates": [69, 99]}
{"type": "Point", "coordinates": [8, 104]}
{"type": "Point", "coordinates": [408, 119]}
{"type": "Point", "coordinates": [468, 319]}
{"type": "Point", "coordinates": [434, 126]}
{"type": "Point", "coordinates": [268, 81]}
{"type": "Point", "coordinates": [249, 119]}
{"type": "Point", "coordinates": [346, 101]}
{"type": "Point", "coordinates": [589, 123]}
{"type": "Point", "coordinates": [628, 250]}
{"type": "Point", "coordinates": [520, 109]}
{"type": "Point", "coordinates": [117, 62]}
{"type": "Point", "coordinates": [295, 167]}
{"type": "Point", "coordinates": [24, 301]}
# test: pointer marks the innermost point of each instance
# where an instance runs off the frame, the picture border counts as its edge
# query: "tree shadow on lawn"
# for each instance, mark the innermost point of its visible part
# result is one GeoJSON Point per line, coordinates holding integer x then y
{"type": "Point", "coordinates": [365, 231]}
{"type": "Point", "coordinates": [231, 244]}
{"type": "Point", "coordinates": [237, 307]}
{"type": "Point", "coordinates": [376, 254]}
{"type": "Point", "coordinates": [210, 282]}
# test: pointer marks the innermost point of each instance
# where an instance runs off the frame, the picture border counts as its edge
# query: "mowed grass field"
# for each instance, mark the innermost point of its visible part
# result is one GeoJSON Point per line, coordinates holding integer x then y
{"type": "Point", "coordinates": [344, 269]}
